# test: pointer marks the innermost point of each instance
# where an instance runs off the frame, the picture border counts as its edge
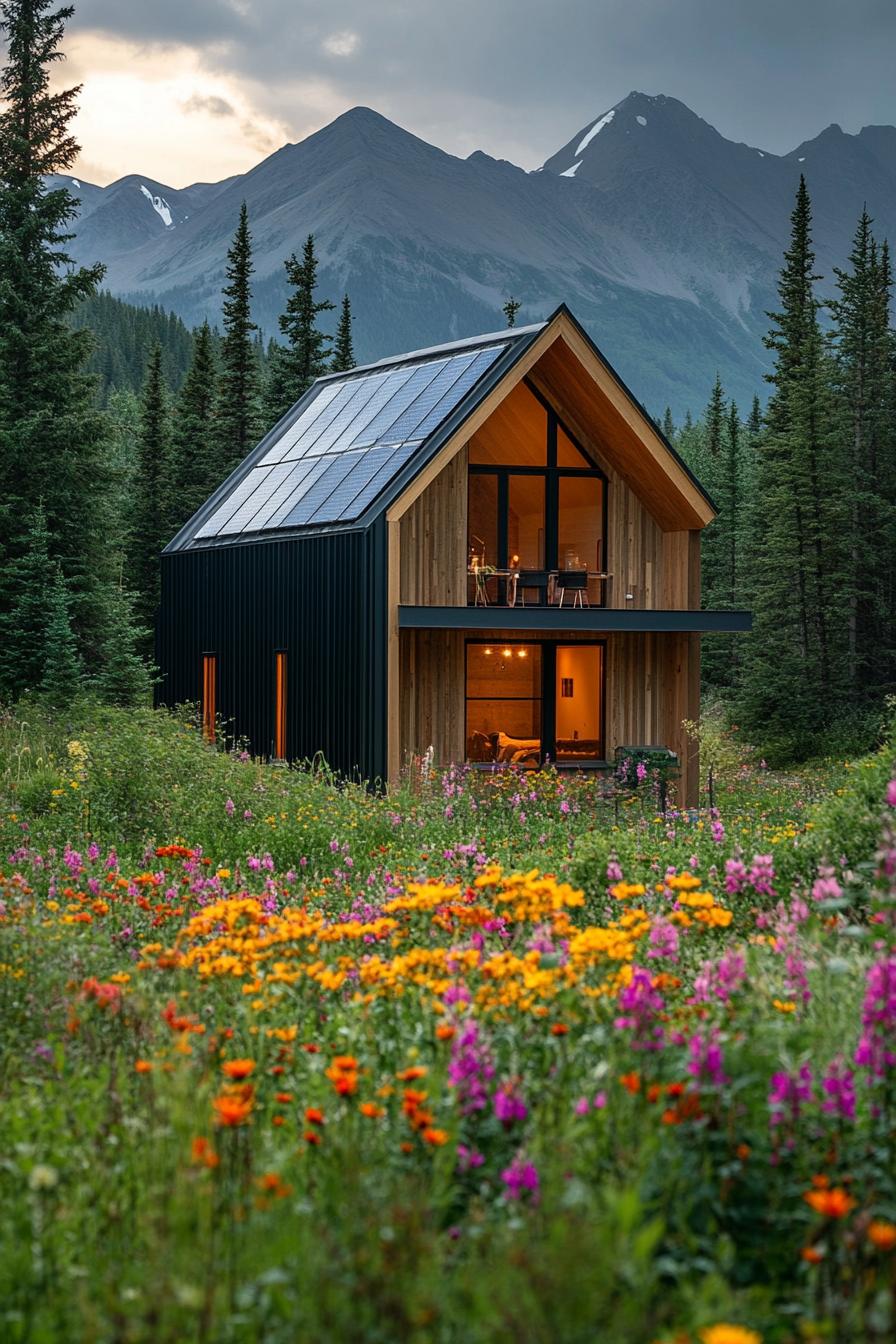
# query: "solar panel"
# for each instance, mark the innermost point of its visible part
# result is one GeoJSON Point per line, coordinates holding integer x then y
{"type": "Point", "coordinates": [347, 444]}
{"type": "Point", "coordinates": [291, 435]}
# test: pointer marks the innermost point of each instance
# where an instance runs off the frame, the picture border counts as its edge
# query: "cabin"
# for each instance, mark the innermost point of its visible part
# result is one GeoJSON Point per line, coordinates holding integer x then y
{"type": "Point", "coordinates": [486, 548]}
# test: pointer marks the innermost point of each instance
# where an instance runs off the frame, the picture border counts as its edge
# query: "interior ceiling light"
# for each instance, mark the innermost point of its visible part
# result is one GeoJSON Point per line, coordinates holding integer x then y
{"type": "Point", "coordinates": [506, 652]}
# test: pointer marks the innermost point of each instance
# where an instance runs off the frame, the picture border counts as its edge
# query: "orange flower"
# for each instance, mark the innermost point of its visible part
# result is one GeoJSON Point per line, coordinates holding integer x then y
{"type": "Point", "coordinates": [406, 1147]}
{"type": "Point", "coordinates": [232, 1109]}
{"type": "Point", "coordinates": [743, 1151]}
{"type": "Point", "coordinates": [833, 1203]}
{"type": "Point", "coordinates": [444, 1031]}
{"type": "Point", "coordinates": [654, 1092]}
{"type": "Point", "coordinates": [409, 1075]}
{"type": "Point", "coordinates": [313, 1116]}
{"type": "Point", "coordinates": [143, 1066]}
{"type": "Point", "coordinates": [435, 1136]}
{"type": "Point", "coordinates": [311, 1136]}
{"type": "Point", "coordinates": [882, 1234]}
{"type": "Point", "coordinates": [812, 1255]}
{"type": "Point", "coordinates": [283, 1098]}
{"type": "Point", "coordinates": [371, 1110]}
{"type": "Point", "coordinates": [559, 1029]}
{"type": "Point", "coordinates": [238, 1068]}
{"type": "Point", "coordinates": [278, 1120]}
{"type": "Point", "coordinates": [311, 1049]}
{"type": "Point", "coordinates": [631, 1082]}
{"type": "Point", "coordinates": [347, 1063]}
{"type": "Point", "coordinates": [203, 1154]}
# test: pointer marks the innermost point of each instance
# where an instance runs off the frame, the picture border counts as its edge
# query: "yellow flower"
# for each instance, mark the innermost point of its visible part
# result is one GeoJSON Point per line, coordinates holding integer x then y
{"type": "Point", "coordinates": [729, 1334]}
{"type": "Point", "coordinates": [784, 1005]}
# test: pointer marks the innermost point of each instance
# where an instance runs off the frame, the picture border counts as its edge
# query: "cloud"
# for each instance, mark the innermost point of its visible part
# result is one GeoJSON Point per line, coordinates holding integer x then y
{"type": "Point", "coordinates": [212, 103]}
{"type": "Point", "coordinates": [518, 77]}
{"type": "Point", "coordinates": [342, 44]}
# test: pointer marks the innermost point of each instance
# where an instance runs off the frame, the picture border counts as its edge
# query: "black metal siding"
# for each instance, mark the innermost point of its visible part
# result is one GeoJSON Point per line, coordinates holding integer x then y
{"type": "Point", "coordinates": [322, 599]}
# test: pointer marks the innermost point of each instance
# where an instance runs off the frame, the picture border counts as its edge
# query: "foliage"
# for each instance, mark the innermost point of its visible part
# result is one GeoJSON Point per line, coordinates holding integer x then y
{"type": "Point", "coordinates": [294, 367]}
{"type": "Point", "coordinates": [238, 423]}
{"type": "Point", "coordinates": [354, 1068]}
{"type": "Point", "coordinates": [343, 347]}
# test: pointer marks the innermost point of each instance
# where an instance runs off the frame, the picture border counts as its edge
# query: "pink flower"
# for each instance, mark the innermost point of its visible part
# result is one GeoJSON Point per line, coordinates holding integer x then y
{"type": "Point", "coordinates": [229, 807]}
{"type": "Point", "coordinates": [891, 793]}
{"type": "Point", "coordinates": [520, 1178]}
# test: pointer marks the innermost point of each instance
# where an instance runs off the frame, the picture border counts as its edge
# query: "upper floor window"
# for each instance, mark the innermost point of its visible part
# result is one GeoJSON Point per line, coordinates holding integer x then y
{"type": "Point", "coordinates": [536, 503]}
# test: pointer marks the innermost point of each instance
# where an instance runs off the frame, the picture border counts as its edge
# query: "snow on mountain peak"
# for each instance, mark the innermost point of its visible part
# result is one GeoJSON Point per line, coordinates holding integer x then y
{"type": "Point", "coordinates": [160, 205]}
{"type": "Point", "coordinates": [595, 130]}
{"type": "Point", "coordinates": [642, 121]}
{"type": "Point", "coordinates": [570, 172]}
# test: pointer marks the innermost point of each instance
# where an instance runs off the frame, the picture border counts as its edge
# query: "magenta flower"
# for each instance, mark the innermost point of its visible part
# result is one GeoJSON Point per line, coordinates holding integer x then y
{"type": "Point", "coordinates": [838, 1086]}
{"type": "Point", "coordinates": [663, 940]}
{"type": "Point", "coordinates": [706, 1061]}
{"type": "Point", "coordinates": [641, 1005]}
{"type": "Point", "coordinates": [788, 1094]}
{"type": "Point", "coordinates": [470, 1069]}
{"type": "Point", "coordinates": [229, 807]}
{"type": "Point", "coordinates": [520, 1178]}
{"type": "Point", "coordinates": [509, 1105]}
{"type": "Point", "coordinates": [876, 1050]}
{"type": "Point", "coordinates": [891, 793]}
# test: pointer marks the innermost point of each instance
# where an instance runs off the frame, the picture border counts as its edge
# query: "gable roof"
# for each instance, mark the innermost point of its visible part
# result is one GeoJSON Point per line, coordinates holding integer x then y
{"type": "Point", "coordinates": [355, 441]}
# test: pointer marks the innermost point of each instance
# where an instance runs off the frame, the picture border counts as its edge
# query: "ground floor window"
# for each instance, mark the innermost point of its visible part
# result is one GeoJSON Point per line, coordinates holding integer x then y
{"type": "Point", "coordinates": [280, 706]}
{"type": "Point", "coordinates": [209, 695]}
{"type": "Point", "coordinates": [531, 702]}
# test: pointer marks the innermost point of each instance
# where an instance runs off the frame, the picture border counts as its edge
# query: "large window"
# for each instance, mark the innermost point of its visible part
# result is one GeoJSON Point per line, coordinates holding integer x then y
{"type": "Point", "coordinates": [536, 502]}
{"type": "Point", "coordinates": [531, 702]}
{"type": "Point", "coordinates": [209, 695]}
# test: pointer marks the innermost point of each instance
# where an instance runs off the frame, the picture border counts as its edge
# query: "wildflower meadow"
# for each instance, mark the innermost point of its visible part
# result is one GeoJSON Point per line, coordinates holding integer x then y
{"type": "Point", "coordinates": [502, 1055]}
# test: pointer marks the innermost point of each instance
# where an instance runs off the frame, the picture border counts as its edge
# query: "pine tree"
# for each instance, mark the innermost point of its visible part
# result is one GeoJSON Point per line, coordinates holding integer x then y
{"type": "Point", "coordinates": [669, 425]}
{"type": "Point", "coordinates": [343, 348]}
{"type": "Point", "coordinates": [52, 436]}
{"type": "Point", "coordinates": [295, 366]}
{"type": "Point", "coordinates": [713, 469]}
{"type": "Point", "coordinates": [151, 490]}
{"type": "Point", "coordinates": [795, 682]}
{"type": "Point", "coordinates": [238, 421]}
{"type": "Point", "coordinates": [510, 310]}
{"type": "Point", "coordinates": [863, 377]}
{"type": "Point", "coordinates": [124, 678]}
{"type": "Point", "coordinates": [195, 469]}
{"type": "Point", "coordinates": [63, 675]}
{"type": "Point", "coordinates": [23, 629]}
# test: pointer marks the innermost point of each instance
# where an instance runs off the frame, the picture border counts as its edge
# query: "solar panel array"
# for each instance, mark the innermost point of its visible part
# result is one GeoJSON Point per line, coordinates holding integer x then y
{"type": "Point", "coordinates": [348, 443]}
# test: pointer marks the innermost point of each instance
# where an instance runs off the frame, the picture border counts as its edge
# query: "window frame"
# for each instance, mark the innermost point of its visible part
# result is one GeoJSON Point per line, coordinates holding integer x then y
{"type": "Point", "coordinates": [548, 700]}
{"type": "Point", "coordinates": [209, 695]}
{"type": "Point", "coordinates": [281, 674]}
{"type": "Point", "coordinates": [551, 474]}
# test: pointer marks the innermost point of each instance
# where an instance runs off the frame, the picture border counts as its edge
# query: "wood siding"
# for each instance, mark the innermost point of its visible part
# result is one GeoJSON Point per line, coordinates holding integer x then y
{"type": "Point", "coordinates": [652, 684]}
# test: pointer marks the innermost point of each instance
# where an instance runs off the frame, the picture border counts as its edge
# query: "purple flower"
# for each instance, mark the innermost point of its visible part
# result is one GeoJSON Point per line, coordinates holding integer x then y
{"type": "Point", "coordinates": [470, 1069]}
{"type": "Point", "coordinates": [762, 875]}
{"type": "Point", "coordinates": [891, 793]}
{"type": "Point", "coordinates": [641, 1005]}
{"type": "Point", "coordinates": [520, 1178]}
{"type": "Point", "coordinates": [706, 1062]}
{"type": "Point", "coordinates": [717, 981]}
{"type": "Point", "coordinates": [838, 1086]}
{"type": "Point", "coordinates": [876, 1050]}
{"type": "Point", "coordinates": [582, 1106]}
{"type": "Point", "coordinates": [641, 772]}
{"type": "Point", "coordinates": [468, 1158]}
{"type": "Point", "coordinates": [663, 940]}
{"type": "Point", "coordinates": [509, 1105]}
{"type": "Point", "coordinates": [229, 807]}
{"type": "Point", "coordinates": [787, 1095]}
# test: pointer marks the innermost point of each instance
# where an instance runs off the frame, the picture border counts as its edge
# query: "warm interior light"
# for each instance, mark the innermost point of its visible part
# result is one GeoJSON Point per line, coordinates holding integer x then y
{"type": "Point", "coordinates": [521, 653]}
{"type": "Point", "coordinates": [506, 652]}
{"type": "Point", "coordinates": [488, 653]}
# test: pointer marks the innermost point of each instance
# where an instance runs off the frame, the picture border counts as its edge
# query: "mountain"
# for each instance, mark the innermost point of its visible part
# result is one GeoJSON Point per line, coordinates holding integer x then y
{"type": "Point", "coordinates": [662, 236]}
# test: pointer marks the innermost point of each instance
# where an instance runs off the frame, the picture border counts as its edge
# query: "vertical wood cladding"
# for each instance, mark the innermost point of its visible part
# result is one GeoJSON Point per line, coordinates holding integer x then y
{"type": "Point", "coordinates": [320, 599]}
{"type": "Point", "coordinates": [652, 684]}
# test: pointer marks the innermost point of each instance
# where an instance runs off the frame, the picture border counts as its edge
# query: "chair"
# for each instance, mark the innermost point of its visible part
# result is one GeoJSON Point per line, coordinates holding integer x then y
{"type": "Point", "coordinates": [532, 578]}
{"type": "Point", "coordinates": [574, 581]}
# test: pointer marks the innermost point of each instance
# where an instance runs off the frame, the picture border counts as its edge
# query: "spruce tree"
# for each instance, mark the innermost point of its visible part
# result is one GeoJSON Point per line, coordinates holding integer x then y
{"type": "Point", "coordinates": [795, 682]}
{"type": "Point", "coordinates": [669, 425]}
{"type": "Point", "coordinates": [343, 348]}
{"type": "Point", "coordinates": [195, 462]}
{"type": "Point", "coordinates": [124, 678]}
{"type": "Point", "coordinates": [510, 310]}
{"type": "Point", "coordinates": [52, 435]}
{"type": "Point", "coordinates": [63, 673]}
{"type": "Point", "coordinates": [295, 366]}
{"type": "Point", "coordinates": [24, 627]}
{"type": "Point", "coordinates": [863, 376]}
{"type": "Point", "coordinates": [238, 421]}
{"type": "Point", "coordinates": [152, 487]}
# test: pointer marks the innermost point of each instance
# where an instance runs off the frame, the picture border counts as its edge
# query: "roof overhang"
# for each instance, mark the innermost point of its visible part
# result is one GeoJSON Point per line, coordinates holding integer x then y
{"type": "Point", "coordinates": [565, 363]}
{"type": "Point", "coordinates": [595, 619]}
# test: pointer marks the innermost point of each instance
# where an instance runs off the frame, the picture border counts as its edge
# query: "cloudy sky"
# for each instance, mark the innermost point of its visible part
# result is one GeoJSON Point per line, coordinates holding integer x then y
{"type": "Point", "coordinates": [191, 90]}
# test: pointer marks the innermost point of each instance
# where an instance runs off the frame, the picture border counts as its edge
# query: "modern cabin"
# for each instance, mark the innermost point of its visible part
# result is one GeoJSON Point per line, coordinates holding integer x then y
{"type": "Point", "coordinates": [487, 548]}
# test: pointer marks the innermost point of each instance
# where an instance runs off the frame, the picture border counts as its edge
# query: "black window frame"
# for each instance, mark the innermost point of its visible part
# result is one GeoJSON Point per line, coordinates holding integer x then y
{"type": "Point", "coordinates": [548, 649]}
{"type": "Point", "coordinates": [551, 473]}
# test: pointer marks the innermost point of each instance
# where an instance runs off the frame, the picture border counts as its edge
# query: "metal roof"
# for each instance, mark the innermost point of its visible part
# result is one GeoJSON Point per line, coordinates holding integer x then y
{"type": "Point", "coordinates": [335, 452]}
{"type": "Point", "coordinates": [355, 441]}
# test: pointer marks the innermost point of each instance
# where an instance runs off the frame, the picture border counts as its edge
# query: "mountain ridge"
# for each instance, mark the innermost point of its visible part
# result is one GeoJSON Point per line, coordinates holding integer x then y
{"type": "Point", "coordinates": [666, 239]}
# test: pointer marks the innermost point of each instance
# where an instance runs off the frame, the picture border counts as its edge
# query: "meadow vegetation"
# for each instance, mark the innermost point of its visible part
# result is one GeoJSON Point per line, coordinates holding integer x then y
{"type": "Point", "coordinates": [496, 1056]}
